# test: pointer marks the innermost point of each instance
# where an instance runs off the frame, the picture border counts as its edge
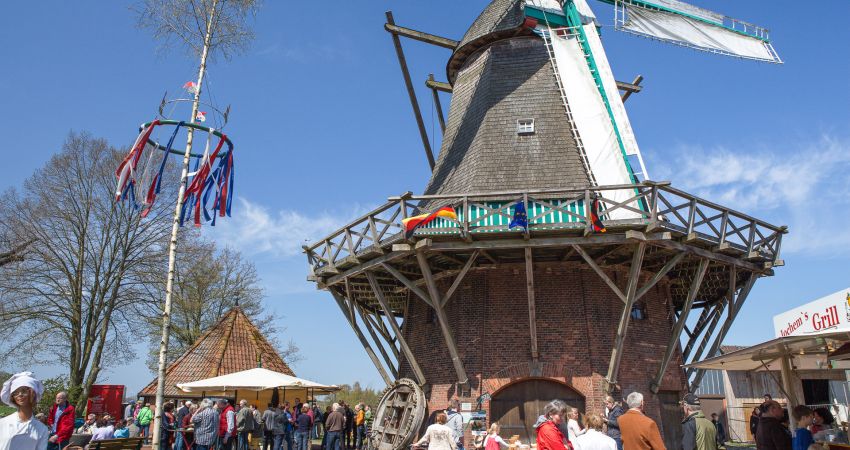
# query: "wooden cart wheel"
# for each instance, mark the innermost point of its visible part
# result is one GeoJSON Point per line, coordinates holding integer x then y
{"type": "Point", "coordinates": [399, 416]}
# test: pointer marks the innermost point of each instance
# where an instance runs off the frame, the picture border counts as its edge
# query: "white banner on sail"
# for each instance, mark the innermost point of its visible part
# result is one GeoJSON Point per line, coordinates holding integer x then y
{"type": "Point", "coordinates": [627, 134]}
{"type": "Point", "coordinates": [694, 33]}
{"type": "Point", "coordinates": [593, 123]}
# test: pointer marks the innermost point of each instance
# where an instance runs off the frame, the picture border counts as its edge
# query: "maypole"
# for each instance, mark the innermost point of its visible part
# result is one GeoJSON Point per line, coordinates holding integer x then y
{"type": "Point", "coordinates": [175, 227]}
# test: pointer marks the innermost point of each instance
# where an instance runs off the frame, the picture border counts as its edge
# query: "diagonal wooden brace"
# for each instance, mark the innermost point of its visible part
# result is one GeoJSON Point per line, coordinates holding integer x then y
{"type": "Point", "coordinates": [620, 338]}
{"type": "Point", "coordinates": [696, 283]}
{"type": "Point", "coordinates": [411, 359]}
{"type": "Point", "coordinates": [340, 301]}
{"type": "Point", "coordinates": [436, 303]}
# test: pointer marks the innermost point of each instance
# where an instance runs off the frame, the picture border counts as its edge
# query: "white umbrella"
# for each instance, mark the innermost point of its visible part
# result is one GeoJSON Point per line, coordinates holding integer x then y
{"type": "Point", "coordinates": [258, 379]}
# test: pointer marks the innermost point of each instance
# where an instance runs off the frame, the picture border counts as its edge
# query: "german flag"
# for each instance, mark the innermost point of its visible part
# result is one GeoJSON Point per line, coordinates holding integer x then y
{"type": "Point", "coordinates": [598, 226]}
{"type": "Point", "coordinates": [412, 223]}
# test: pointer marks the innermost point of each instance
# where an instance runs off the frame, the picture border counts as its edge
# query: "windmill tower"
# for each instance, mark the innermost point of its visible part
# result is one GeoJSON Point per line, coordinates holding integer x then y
{"type": "Point", "coordinates": [540, 262]}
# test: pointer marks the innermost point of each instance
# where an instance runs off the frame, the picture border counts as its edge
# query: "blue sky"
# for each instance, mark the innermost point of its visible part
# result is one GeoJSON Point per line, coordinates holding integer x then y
{"type": "Point", "coordinates": [324, 131]}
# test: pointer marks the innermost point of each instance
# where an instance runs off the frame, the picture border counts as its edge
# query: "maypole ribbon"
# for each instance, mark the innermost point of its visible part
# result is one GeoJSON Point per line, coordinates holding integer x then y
{"type": "Point", "coordinates": [156, 184]}
{"type": "Point", "coordinates": [208, 187]}
{"type": "Point", "coordinates": [127, 169]}
{"type": "Point", "coordinates": [200, 182]}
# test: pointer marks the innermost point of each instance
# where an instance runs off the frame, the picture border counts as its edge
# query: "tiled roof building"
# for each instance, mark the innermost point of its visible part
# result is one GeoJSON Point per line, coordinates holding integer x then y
{"type": "Point", "coordinates": [232, 345]}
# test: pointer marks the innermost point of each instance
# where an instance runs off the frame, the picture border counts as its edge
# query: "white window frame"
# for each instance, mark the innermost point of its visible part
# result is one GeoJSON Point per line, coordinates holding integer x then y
{"type": "Point", "coordinates": [525, 126]}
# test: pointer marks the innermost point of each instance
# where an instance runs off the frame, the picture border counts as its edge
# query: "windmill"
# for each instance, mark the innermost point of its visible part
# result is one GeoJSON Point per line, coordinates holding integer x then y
{"type": "Point", "coordinates": [541, 261]}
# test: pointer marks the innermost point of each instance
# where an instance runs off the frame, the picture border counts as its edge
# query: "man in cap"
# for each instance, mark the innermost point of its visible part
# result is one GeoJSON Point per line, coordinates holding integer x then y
{"type": "Point", "coordinates": [698, 433]}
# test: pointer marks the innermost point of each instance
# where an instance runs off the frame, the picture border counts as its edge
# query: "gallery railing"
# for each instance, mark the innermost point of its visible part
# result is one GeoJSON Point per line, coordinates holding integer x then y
{"type": "Point", "coordinates": [656, 206]}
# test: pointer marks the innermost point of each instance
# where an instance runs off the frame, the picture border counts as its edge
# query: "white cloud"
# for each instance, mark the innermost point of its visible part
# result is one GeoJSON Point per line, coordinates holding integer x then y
{"type": "Point", "coordinates": [804, 185]}
{"type": "Point", "coordinates": [254, 229]}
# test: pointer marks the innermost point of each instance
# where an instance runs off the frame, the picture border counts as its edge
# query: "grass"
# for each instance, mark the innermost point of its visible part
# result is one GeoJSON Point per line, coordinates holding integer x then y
{"type": "Point", "coordinates": [6, 410]}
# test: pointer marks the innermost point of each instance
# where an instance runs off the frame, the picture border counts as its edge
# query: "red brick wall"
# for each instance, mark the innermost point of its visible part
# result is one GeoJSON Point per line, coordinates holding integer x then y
{"type": "Point", "coordinates": [577, 318]}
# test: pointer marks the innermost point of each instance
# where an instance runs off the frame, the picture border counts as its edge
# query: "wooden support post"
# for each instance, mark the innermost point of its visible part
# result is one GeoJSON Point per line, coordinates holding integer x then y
{"type": "Point", "coordinates": [341, 302]}
{"type": "Point", "coordinates": [437, 104]}
{"type": "Point", "coordinates": [658, 276]}
{"type": "Point", "coordinates": [380, 327]}
{"type": "Point", "coordinates": [441, 317]}
{"type": "Point", "coordinates": [459, 277]}
{"type": "Point", "coordinates": [532, 309]}
{"type": "Point", "coordinates": [600, 272]}
{"type": "Point", "coordinates": [787, 376]}
{"type": "Point", "coordinates": [411, 92]}
{"type": "Point", "coordinates": [630, 88]}
{"type": "Point", "coordinates": [704, 317]}
{"type": "Point", "coordinates": [439, 86]}
{"type": "Point", "coordinates": [376, 340]}
{"type": "Point", "coordinates": [673, 344]}
{"type": "Point", "coordinates": [620, 339]}
{"type": "Point", "coordinates": [734, 308]}
{"type": "Point", "coordinates": [408, 353]}
{"type": "Point", "coordinates": [709, 332]}
{"type": "Point", "coordinates": [421, 36]}
{"type": "Point", "coordinates": [410, 285]}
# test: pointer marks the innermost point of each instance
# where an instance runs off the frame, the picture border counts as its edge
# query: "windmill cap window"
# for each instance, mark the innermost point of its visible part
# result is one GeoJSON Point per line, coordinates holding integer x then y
{"type": "Point", "coordinates": [525, 126]}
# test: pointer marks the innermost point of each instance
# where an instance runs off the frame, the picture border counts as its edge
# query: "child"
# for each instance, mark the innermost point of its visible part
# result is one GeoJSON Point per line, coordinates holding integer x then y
{"type": "Point", "coordinates": [802, 436]}
{"type": "Point", "coordinates": [121, 430]}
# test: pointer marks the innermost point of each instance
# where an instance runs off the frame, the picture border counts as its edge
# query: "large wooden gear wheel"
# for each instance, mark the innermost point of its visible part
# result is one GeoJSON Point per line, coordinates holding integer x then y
{"type": "Point", "coordinates": [399, 416]}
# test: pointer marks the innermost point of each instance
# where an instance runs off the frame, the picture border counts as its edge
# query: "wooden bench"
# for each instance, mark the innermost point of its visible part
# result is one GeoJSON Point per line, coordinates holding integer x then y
{"type": "Point", "coordinates": [117, 444]}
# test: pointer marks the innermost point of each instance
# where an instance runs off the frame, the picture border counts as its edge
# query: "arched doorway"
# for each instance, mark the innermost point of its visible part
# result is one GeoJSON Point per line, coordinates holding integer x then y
{"type": "Point", "coordinates": [517, 406]}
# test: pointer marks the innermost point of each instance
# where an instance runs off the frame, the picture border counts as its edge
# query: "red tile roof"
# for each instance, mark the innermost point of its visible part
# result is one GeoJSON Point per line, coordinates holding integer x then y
{"type": "Point", "coordinates": [232, 345]}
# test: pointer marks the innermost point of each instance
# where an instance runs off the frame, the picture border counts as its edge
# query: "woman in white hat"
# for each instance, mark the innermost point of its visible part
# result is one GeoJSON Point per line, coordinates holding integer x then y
{"type": "Point", "coordinates": [22, 431]}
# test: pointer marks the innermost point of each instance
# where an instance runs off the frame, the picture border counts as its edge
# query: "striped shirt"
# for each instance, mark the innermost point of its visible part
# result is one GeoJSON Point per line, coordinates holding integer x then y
{"type": "Point", "coordinates": [206, 426]}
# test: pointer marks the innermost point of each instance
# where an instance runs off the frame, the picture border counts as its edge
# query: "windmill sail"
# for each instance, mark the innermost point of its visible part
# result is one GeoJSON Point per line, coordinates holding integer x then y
{"type": "Point", "coordinates": [683, 24]}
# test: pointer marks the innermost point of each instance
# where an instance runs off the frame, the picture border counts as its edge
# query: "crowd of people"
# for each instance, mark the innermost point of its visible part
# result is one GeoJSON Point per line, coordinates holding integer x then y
{"type": "Point", "coordinates": [205, 425]}
{"type": "Point", "coordinates": [220, 425]}
{"type": "Point", "coordinates": [770, 426]}
{"type": "Point", "coordinates": [560, 428]}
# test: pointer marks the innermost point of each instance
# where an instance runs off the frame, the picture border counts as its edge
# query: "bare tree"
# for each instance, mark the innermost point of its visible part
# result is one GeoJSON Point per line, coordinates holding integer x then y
{"type": "Point", "coordinates": [208, 283]}
{"type": "Point", "coordinates": [80, 288]}
{"type": "Point", "coordinates": [185, 23]}
{"type": "Point", "coordinates": [15, 253]}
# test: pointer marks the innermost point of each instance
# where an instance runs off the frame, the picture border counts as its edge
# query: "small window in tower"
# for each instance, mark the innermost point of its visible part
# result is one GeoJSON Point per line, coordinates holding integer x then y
{"type": "Point", "coordinates": [639, 311]}
{"type": "Point", "coordinates": [525, 126]}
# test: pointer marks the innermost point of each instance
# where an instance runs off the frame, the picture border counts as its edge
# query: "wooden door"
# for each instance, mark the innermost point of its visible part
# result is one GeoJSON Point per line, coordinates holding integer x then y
{"type": "Point", "coordinates": [517, 406]}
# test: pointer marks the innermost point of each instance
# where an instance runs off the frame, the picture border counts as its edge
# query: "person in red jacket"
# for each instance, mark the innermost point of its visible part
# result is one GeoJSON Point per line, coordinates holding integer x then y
{"type": "Point", "coordinates": [549, 437]}
{"type": "Point", "coordinates": [61, 422]}
{"type": "Point", "coordinates": [226, 425]}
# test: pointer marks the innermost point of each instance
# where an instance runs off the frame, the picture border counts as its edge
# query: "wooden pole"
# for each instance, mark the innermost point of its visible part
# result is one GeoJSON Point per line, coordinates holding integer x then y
{"type": "Point", "coordinates": [408, 353]}
{"type": "Point", "coordinates": [376, 340]}
{"type": "Point", "coordinates": [437, 104]}
{"type": "Point", "coordinates": [600, 272]}
{"type": "Point", "coordinates": [630, 88]}
{"type": "Point", "coordinates": [734, 308]}
{"type": "Point", "coordinates": [341, 302]}
{"type": "Point", "coordinates": [673, 344]}
{"type": "Point", "coordinates": [441, 317]}
{"type": "Point", "coordinates": [787, 377]}
{"type": "Point", "coordinates": [532, 308]}
{"type": "Point", "coordinates": [459, 277]}
{"type": "Point", "coordinates": [620, 339]}
{"type": "Point", "coordinates": [411, 92]}
{"type": "Point", "coordinates": [172, 245]}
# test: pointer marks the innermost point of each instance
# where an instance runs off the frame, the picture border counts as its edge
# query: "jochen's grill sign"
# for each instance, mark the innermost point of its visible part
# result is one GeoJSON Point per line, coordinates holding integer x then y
{"type": "Point", "coordinates": [816, 317]}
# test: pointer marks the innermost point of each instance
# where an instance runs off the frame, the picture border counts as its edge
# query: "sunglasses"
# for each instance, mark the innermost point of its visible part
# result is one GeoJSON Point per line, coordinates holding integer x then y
{"type": "Point", "coordinates": [21, 393]}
